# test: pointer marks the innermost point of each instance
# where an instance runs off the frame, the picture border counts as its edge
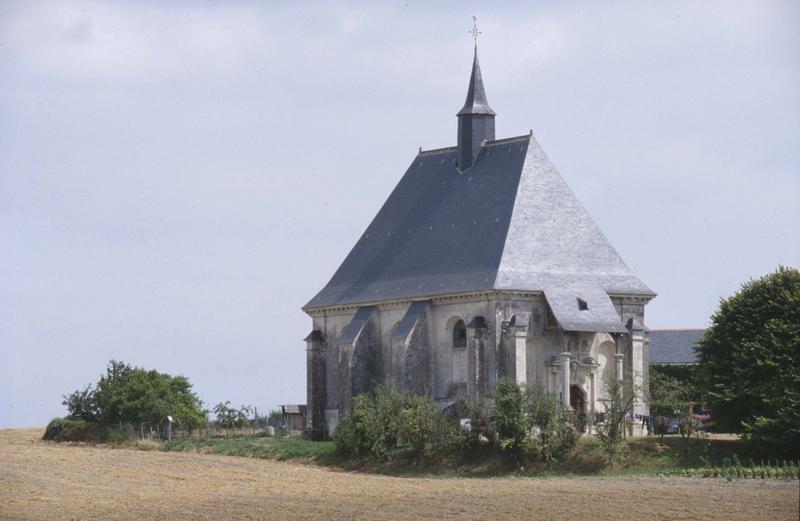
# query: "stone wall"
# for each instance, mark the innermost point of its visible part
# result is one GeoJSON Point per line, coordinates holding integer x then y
{"type": "Point", "coordinates": [513, 337]}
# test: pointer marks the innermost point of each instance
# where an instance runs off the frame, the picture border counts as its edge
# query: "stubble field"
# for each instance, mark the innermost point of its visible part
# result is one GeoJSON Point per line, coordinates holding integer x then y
{"type": "Point", "coordinates": [44, 481]}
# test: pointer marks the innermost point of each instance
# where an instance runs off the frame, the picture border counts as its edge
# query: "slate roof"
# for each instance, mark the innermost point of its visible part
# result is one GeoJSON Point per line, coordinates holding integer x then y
{"type": "Point", "coordinates": [357, 323]}
{"type": "Point", "coordinates": [508, 222]}
{"type": "Point", "coordinates": [476, 102]}
{"type": "Point", "coordinates": [599, 313]}
{"type": "Point", "coordinates": [410, 319]}
{"type": "Point", "coordinates": [674, 346]}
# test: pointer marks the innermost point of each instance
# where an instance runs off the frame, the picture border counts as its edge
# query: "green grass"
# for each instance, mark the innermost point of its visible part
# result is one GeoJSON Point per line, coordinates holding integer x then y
{"type": "Point", "coordinates": [641, 456]}
{"type": "Point", "coordinates": [288, 447]}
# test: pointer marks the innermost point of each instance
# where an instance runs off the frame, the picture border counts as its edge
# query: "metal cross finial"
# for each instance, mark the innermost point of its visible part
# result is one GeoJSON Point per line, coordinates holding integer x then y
{"type": "Point", "coordinates": [474, 31]}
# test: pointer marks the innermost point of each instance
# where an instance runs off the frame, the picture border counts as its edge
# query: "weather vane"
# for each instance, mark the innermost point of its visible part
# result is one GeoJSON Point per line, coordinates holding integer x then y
{"type": "Point", "coordinates": [474, 31]}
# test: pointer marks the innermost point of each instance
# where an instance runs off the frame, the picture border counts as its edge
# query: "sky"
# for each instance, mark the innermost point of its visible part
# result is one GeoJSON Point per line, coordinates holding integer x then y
{"type": "Point", "coordinates": [178, 178]}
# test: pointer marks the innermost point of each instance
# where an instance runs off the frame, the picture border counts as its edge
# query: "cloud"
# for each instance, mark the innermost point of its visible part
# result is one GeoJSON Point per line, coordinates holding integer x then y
{"type": "Point", "coordinates": [177, 179]}
{"type": "Point", "coordinates": [132, 43]}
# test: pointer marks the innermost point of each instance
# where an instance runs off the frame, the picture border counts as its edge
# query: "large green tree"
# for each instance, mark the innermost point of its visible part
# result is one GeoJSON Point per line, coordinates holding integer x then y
{"type": "Point", "coordinates": [749, 360]}
{"type": "Point", "coordinates": [134, 395]}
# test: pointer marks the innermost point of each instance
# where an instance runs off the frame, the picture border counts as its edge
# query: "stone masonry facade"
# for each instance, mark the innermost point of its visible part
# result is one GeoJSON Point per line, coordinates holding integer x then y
{"type": "Point", "coordinates": [509, 335]}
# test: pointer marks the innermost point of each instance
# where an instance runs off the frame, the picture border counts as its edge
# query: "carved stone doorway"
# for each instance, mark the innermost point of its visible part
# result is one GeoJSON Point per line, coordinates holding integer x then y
{"type": "Point", "coordinates": [577, 399]}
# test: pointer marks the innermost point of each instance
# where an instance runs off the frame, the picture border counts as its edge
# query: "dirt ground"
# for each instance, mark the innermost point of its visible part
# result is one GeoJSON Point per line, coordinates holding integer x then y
{"type": "Point", "coordinates": [60, 482]}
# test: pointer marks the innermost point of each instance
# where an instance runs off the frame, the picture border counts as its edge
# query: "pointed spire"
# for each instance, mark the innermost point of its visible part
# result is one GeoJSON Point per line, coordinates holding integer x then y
{"type": "Point", "coordinates": [476, 118]}
{"type": "Point", "coordinates": [476, 94]}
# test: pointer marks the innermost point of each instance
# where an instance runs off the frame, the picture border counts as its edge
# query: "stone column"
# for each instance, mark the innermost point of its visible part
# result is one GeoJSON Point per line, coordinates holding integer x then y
{"type": "Point", "coordinates": [592, 398]}
{"type": "Point", "coordinates": [520, 354]}
{"type": "Point", "coordinates": [315, 386]}
{"type": "Point", "coordinates": [481, 374]}
{"type": "Point", "coordinates": [619, 359]}
{"type": "Point", "coordinates": [565, 381]}
{"type": "Point", "coordinates": [344, 377]}
{"type": "Point", "coordinates": [637, 373]}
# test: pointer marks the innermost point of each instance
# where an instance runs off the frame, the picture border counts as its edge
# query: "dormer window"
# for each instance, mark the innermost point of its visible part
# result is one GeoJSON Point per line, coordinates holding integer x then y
{"type": "Point", "coordinates": [459, 334]}
{"type": "Point", "coordinates": [582, 305]}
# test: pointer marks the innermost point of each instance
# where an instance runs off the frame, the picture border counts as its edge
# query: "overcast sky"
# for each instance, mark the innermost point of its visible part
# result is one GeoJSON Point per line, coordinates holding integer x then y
{"type": "Point", "coordinates": [178, 179]}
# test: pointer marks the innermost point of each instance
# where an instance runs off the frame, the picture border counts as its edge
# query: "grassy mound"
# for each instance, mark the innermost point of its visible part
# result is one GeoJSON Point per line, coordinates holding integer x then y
{"type": "Point", "coordinates": [69, 429]}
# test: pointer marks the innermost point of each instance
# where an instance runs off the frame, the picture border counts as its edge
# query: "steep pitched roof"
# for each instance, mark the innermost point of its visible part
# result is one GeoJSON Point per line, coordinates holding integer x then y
{"type": "Point", "coordinates": [553, 242]}
{"type": "Point", "coordinates": [674, 346]}
{"type": "Point", "coordinates": [509, 222]}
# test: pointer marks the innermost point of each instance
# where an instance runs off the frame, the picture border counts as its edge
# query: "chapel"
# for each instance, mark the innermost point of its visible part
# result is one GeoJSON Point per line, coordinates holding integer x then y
{"type": "Point", "coordinates": [481, 265]}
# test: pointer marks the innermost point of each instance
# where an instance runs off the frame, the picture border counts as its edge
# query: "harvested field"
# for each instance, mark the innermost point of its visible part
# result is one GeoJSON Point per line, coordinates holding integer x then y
{"type": "Point", "coordinates": [43, 481]}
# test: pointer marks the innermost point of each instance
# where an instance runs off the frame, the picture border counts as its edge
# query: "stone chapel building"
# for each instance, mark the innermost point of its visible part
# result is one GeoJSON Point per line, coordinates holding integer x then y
{"type": "Point", "coordinates": [481, 265]}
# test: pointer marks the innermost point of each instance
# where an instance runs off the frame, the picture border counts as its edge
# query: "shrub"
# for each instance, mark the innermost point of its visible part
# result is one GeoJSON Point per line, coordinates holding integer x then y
{"type": "Point", "coordinates": [530, 424]}
{"type": "Point", "coordinates": [508, 413]}
{"type": "Point", "coordinates": [71, 429]}
{"type": "Point", "coordinates": [355, 433]}
{"type": "Point", "coordinates": [386, 422]}
{"type": "Point", "coordinates": [523, 424]}
{"type": "Point", "coordinates": [231, 418]}
{"type": "Point", "coordinates": [480, 427]}
{"type": "Point", "coordinates": [552, 435]}
{"type": "Point", "coordinates": [419, 419]}
{"type": "Point", "coordinates": [611, 431]}
{"type": "Point", "coordinates": [376, 423]}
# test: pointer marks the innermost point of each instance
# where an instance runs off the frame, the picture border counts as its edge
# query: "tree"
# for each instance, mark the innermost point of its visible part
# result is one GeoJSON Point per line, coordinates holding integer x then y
{"type": "Point", "coordinates": [611, 431]}
{"type": "Point", "coordinates": [684, 374]}
{"type": "Point", "coordinates": [231, 418]}
{"type": "Point", "coordinates": [672, 399]}
{"type": "Point", "coordinates": [82, 404]}
{"type": "Point", "coordinates": [669, 399]}
{"type": "Point", "coordinates": [127, 394]}
{"type": "Point", "coordinates": [749, 360]}
{"type": "Point", "coordinates": [275, 418]}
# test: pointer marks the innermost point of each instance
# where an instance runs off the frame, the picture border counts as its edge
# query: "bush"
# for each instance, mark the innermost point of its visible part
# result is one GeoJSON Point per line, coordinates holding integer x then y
{"type": "Point", "coordinates": [524, 424]}
{"type": "Point", "coordinates": [510, 422]}
{"type": "Point", "coordinates": [530, 424]}
{"type": "Point", "coordinates": [71, 429]}
{"type": "Point", "coordinates": [355, 433]}
{"type": "Point", "coordinates": [419, 419]}
{"type": "Point", "coordinates": [480, 428]}
{"type": "Point", "coordinates": [377, 422]}
{"type": "Point", "coordinates": [611, 432]}
{"type": "Point", "coordinates": [231, 418]}
{"type": "Point", "coordinates": [552, 435]}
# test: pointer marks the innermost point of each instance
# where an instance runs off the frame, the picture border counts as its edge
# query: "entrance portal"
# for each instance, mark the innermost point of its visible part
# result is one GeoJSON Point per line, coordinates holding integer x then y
{"type": "Point", "coordinates": [577, 399]}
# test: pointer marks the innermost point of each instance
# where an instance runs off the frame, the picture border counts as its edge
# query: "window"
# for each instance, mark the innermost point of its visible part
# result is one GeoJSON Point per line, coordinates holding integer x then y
{"type": "Point", "coordinates": [459, 334]}
{"type": "Point", "coordinates": [582, 305]}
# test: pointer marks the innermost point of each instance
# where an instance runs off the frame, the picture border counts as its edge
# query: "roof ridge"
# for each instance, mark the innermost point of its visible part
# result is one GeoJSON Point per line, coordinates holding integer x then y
{"type": "Point", "coordinates": [486, 143]}
{"type": "Point", "coordinates": [435, 150]}
{"type": "Point", "coordinates": [506, 140]}
{"type": "Point", "coordinates": [680, 329]}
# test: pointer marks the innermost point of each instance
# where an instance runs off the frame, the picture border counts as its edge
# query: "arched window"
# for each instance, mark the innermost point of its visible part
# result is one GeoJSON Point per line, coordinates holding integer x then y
{"type": "Point", "coordinates": [459, 334]}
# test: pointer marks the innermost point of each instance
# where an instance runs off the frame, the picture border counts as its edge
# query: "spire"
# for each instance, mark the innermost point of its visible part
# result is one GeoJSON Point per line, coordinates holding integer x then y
{"type": "Point", "coordinates": [476, 118]}
{"type": "Point", "coordinates": [476, 94]}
